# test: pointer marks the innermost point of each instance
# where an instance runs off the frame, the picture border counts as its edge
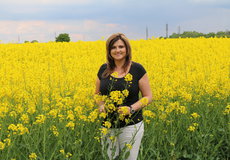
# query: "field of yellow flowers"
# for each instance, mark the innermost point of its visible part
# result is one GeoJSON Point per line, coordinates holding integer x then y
{"type": "Point", "coordinates": [48, 111]}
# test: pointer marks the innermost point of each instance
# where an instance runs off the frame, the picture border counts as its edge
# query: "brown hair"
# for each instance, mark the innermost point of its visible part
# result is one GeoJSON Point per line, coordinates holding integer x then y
{"type": "Point", "coordinates": [110, 61]}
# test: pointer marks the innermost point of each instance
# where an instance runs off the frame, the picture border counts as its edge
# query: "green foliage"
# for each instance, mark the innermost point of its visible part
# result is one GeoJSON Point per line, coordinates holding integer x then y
{"type": "Point", "coordinates": [211, 34]}
{"type": "Point", "coordinates": [171, 139]}
{"type": "Point", "coordinates": [166, 138]}
{"type": "Point", "coordinates": [63, 37]}
{"type": "Point", "coordinates": [34, 41]}
{"type": "Point", "coordinates": [194, 34]}
{"type": "Point", "coordinates": [220, 34]}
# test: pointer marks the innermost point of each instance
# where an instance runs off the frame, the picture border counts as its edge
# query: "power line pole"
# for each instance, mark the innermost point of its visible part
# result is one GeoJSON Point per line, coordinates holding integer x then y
{"type": "Point", "coordinates": [147, 33]}
{"type": "Point", "coordinates": [166, 30]}
{"type": "Point", "coordinates": [178, 29]}
{"type": "Point", "coordinates": [18, 39]}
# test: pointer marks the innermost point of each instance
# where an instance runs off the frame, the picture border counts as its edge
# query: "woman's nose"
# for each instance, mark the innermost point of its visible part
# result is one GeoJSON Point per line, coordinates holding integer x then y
{"type": "Point", "coordinates": [117, 49]}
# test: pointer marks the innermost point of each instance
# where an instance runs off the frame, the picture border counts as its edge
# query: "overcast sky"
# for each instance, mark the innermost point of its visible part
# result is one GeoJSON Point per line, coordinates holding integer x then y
{"type": "Point", "coordinates": [91, 20]}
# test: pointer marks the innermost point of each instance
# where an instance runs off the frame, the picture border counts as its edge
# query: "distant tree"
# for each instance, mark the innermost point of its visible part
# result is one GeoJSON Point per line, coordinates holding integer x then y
{"type": "Point", "coordinates": [227, 32]}
{"type": "Point", "coordinates": [174, 35]}
{"type": "Point", "coordinates": [192, 34]}
{"type": "Point", "coordinates": [63, 37]}
{"type": "Point", "coordinates": [187, 34]}
{"type": "Point", "coordinates": [26, 41]}
{"type": "Point", "coordinates": [34, 41]}
{"type": "Point", "coordinates": [209, 35]}
{"type": "Point", "coordinates": [220, 34]}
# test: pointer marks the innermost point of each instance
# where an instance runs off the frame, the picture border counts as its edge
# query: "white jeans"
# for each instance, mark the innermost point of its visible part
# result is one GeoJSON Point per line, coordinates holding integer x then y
{"type": "Point", "coordinates": [120, 141]}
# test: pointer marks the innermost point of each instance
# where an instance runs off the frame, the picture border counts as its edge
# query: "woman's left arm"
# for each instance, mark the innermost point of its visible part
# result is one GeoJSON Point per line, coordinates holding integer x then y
{"type": "Point", "coordinates": [146, 94]}
{"type": "Point", "coordinates": [145, 91]}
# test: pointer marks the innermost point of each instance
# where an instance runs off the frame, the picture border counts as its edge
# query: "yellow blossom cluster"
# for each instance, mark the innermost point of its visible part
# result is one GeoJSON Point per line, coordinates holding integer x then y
{"type": "Point", "coordinates": [193, 127]}
{"type": "Point", "coordinates": [67, 155]}
{"type": "Point", "coordinates": [33, 156]}
{"type": "Point", "coordinates": [5, 143]}
{"type": "Point", "coordinates": [128, 77]}
{"type": "Point", "coordinates": [114, 74]}
{"type": "Point", "coordinates": [2, 145]}
{"type": "Point", "coordinates": [144, 101]}
{"type": "Point", "coordinates": [116, 97]}
{"type": "Point", "coordinates": [195, 115]}
{"type": "Point", "coordinates": [40, 119]}
{"type": "Point", "coordinates": [227, 110]}
{"type": "Point", "coordinates": [18, 129]}
{"type": "Point", "coordinates": [55, 131]}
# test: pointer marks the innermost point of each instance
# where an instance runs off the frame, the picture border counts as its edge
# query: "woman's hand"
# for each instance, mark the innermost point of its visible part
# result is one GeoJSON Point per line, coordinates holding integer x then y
{"type": "Point", "coordinates": [124, 110]}
{"type": "Point", "coordinates": [101, 108]}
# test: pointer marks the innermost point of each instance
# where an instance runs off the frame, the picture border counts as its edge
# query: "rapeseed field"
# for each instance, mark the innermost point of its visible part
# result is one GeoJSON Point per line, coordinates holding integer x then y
{"type": "Point", "coordinates": [48, 109]}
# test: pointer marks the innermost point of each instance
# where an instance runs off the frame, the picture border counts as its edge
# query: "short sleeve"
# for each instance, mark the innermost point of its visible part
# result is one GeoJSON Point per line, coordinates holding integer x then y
{"type": "Point", "coordinates": [140, 71]}
{"type": "Point", "coordinates": [101, 70]}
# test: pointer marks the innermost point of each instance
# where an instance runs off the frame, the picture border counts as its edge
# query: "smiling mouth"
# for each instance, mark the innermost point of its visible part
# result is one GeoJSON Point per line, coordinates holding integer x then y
{"type": "Point", "coordinates": [118, 53]}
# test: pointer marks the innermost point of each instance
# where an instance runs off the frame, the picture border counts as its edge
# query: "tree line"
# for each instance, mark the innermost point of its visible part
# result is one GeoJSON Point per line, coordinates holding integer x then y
{"type": "Point", "coordinates": [64, 37]}
{"type": "Point", "coordinates": [194, 34]}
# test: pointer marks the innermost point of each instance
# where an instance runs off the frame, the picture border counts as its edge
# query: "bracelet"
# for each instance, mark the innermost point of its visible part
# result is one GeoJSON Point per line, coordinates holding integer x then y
{"type": "Point", "coordinates": [131, 109]}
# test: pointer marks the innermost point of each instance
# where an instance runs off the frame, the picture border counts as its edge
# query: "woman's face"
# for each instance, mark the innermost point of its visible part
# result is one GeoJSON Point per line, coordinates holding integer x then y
{"type": "Point", "coordinates": [118, 50]}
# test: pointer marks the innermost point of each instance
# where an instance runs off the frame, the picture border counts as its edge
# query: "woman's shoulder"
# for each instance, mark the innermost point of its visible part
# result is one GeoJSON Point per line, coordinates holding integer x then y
{"type": "Point", "coordinates": [137, 65]}
{"type": "Point", "coordinates": [101, 70]}
{"type": "Point", "coordinates": [103, 66]}
{"type": "Point", "coordinates": [138, 70]}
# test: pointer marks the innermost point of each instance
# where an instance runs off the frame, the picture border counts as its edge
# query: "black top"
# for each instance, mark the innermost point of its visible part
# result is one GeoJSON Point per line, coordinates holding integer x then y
{"type": "Point", "coordinates": [137, 71]}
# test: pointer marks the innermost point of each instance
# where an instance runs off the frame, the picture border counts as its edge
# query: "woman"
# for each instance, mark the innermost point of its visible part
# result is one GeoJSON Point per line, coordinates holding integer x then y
{"type": "Point", "coordinates": [125, 133]}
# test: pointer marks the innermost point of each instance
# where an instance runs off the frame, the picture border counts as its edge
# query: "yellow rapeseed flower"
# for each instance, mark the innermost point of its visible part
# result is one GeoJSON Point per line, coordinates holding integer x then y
{"type": "Point", "coordinates": [195, 115]}
{"type": "Point", "coordinates": [7, 141]}
{"type": "Point", "coordinates": [144, 101]}
{"type": "Point", "coordinates": [104, 131]}
{"type": "Point", "coordinates": [191, 128]}
{"type": "Point", "coordinates": [227, 110]}
{"type": "Point", "coordinates": [102, 115]}
{"type": "Point", "coordinates": [129, 146]}
{"type": "Point", "coordinates": [125, 92]}
{"type": "Point", "coordinates": [93, 115]}
{"type": "Point", "coordinates": [54, 130]}
{"type": "Point", "coordinates": [70, 125]}
{"type": "Point", "coordinates": [97, 138]}
{"type": "Point", "coordinates": [33, 156]}
{"type": "Point", "coordinates": [69, 155]}
{"type": "Point", "coordinates": [62, 151]}
{"type": "Point", "coordinates": [40, 119]}
{"type": "Point", "coordinates": [25, 118]}
{"type": "Point", "coordinates": [149, 113]}
{"type": "Point", "coordinates": [112, 138]}
{"type": "Point", "coordinates": [107, 124]}
{"type": "Point", "coordinates": [181, 109]}
{"type": "Point", "coordinates": [114, 74]}
{"type": "Point", "coordinates": [128, 77]}
{"type": "Point", "coordinates": [2, 145]}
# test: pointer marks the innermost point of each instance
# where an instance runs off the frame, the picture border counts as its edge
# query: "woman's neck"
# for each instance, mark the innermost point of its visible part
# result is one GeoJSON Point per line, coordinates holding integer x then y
{"type": "Point", "coordinates": [119, 64]}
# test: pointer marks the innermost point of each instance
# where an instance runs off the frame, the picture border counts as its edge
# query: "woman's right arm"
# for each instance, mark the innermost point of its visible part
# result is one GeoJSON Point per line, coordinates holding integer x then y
{"type": "Point", "coordinates": [101, 107]}
{"type": "Point", "coordinates": [98, 82]}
